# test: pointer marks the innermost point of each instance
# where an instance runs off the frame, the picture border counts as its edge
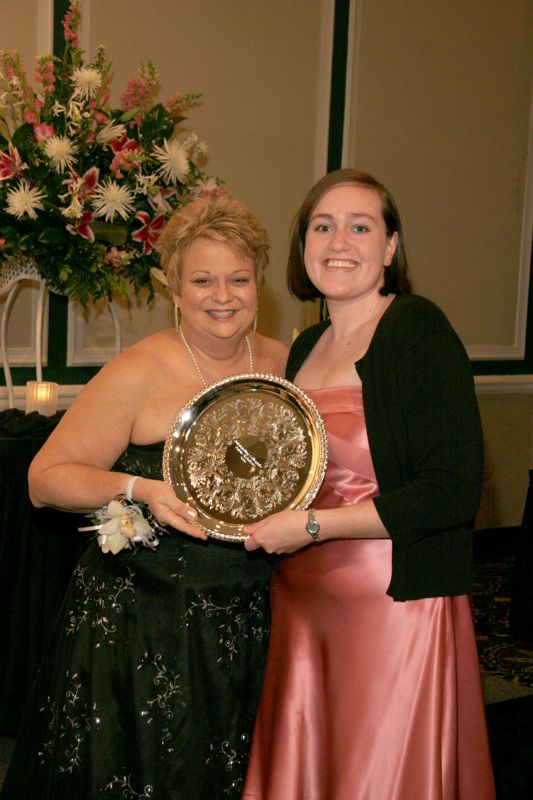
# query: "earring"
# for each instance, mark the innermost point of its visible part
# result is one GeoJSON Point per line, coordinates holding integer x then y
{"type": "Point", "coordinates": [255, 323]}
{"type": "Point", "coordinates": [177, 317]}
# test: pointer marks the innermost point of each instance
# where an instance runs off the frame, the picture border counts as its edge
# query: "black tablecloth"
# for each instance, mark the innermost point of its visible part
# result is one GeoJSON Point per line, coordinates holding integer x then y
{"type": "Point", "coordinates": [38, 550]}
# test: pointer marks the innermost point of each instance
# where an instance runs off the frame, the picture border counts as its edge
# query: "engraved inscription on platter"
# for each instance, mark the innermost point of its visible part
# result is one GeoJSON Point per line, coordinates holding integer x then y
{"type": "Point", "coordinates": [244, 448]}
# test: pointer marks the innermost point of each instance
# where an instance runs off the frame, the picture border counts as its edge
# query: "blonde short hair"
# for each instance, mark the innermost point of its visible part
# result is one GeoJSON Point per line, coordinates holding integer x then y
{"type": "Point", "coordinates": [220, 217]}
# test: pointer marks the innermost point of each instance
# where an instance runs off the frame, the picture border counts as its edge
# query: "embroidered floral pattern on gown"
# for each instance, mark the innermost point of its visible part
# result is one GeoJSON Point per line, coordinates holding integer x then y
{"type": "Point", "coordinates": [152, 681]}
{"type": "Point", "coordinates": [364, 698]}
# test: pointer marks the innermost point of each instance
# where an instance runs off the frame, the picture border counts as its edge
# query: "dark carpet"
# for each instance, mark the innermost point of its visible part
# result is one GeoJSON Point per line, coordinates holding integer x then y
{"type": "Point", "coordinates": [506, 663]}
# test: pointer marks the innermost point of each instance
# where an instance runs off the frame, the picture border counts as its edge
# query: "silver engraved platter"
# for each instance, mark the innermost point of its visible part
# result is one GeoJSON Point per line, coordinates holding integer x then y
{"type": "Point", "coordinates": [243, 448]}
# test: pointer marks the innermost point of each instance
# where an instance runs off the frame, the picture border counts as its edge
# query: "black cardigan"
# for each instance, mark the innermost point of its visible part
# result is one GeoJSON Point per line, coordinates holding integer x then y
{"type": "Point", "coordinates": [426, 444]}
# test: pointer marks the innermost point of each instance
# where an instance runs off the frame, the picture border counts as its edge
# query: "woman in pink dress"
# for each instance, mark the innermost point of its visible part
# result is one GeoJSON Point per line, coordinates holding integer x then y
{"type": "Point", "coordinates": [372, 689]}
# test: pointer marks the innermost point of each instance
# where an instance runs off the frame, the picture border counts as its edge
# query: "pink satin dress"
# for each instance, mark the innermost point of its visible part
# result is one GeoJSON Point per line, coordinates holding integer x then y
{"type": "Point", "coordinates": [364, 698]}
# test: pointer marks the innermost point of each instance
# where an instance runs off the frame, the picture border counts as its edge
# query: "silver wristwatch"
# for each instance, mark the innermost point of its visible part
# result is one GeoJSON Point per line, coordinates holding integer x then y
{"type": "Point", "coordinates": [312, 527]}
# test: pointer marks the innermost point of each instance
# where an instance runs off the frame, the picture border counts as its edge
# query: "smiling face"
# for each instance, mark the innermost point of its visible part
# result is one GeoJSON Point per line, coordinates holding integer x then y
{"type": "Point", "coordinates": [218, 290]}
{"type": "Point", "coordinates": [346, 246]}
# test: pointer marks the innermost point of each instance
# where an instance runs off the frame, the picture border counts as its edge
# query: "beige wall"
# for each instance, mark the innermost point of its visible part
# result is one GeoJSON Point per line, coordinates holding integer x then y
{"type": "Point", "coordinates": [508, 426]}
{"type": "Point", "coordinates": [440, 111]}
{"type": "Point", "coordinates": [19, 29]}
{"type": "Point", "coordinates": [439, 108]}
{"type": "Point", "coordinates": [257, 64]}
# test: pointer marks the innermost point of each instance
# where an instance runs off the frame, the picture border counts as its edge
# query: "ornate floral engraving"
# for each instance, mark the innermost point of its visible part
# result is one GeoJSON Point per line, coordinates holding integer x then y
{"type": "Point", "coordinates": [243, 448]}
{"type": "Point", "coordinates": [246, 456]}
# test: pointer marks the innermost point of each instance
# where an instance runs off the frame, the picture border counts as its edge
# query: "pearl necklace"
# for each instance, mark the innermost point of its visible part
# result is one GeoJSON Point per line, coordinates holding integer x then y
{"type": "Point", "coordinates": [195, 362]}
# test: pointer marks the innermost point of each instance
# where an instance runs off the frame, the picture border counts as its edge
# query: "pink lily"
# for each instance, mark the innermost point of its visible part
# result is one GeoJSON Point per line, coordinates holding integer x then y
{"type": "Point", "coordinates": [159, 201]}
{"type": "Point", "coordinates": [82, 227]}
{"type": "Point", "coordinates": [127, 153]}
{"type": "Point", "coordinates": [84, 186]}
{"type": "Point", "coordinates": [10, 164]}
{"type": "Point", "coordinates": [124, 143]}
{"type": "Point", "coordinates": [150, 231]}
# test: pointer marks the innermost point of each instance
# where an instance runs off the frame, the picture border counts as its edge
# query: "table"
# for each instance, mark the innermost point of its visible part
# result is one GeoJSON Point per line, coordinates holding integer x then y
{"type": "Point", "coordinates": [38, 551]}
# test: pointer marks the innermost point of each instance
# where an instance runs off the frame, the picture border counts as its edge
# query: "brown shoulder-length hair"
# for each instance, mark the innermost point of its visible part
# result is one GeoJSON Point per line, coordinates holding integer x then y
{"type": "Point", "coordinates": [396, 278]}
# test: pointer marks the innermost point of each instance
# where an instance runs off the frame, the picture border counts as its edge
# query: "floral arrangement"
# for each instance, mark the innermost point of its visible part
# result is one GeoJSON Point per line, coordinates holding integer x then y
{"type": "Point", "coordinates": [85, 190]}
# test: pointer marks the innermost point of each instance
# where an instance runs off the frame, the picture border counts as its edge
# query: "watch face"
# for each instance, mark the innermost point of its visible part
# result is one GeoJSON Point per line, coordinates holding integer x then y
{"type": "Point", "coordinates": [312, 527]}
{"type": "Point", "coordinates": [244, 448]}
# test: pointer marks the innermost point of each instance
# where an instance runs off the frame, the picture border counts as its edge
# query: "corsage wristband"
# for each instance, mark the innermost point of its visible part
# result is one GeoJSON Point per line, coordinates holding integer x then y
{"type": "Point", "coordinates": [121, 524]}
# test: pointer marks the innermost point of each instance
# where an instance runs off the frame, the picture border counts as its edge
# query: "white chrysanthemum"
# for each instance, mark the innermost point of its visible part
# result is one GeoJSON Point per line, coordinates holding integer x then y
{"type": "Point", "coordinates": [174, 162]}
{"type": "Point", "coordinates": [111, 199]}
{"type": "Point", "coordinates": [24, 200]}
{"type": "Point", "coordinates": [87, 81]}
{"type": "Point", "coordinates": [109, 132]}
{"type": "Point", "coordinates": [61, 151]}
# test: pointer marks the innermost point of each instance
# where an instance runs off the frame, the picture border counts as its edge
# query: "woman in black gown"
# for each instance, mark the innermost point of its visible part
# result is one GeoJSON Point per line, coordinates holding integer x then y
{"type": "Point", "coordinates": [150, 685]}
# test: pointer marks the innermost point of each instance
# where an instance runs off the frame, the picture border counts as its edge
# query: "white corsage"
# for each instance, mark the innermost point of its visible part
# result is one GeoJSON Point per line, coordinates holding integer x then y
{"type": "Point", "coordinates": [122, 525]}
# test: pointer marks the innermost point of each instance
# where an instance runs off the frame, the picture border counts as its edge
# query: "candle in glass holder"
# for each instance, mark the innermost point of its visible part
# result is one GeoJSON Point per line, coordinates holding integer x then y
{"type": "Point", "coordinates": [41, 396]}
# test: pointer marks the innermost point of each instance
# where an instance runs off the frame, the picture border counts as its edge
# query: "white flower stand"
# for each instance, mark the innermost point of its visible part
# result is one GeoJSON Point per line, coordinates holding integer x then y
{"type": "Point", "coordinates": [12, 273]}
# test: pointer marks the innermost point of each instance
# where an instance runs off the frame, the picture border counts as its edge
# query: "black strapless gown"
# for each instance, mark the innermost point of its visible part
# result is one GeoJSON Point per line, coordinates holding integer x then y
{"type": "Point", "coordinates": [151, 682]}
